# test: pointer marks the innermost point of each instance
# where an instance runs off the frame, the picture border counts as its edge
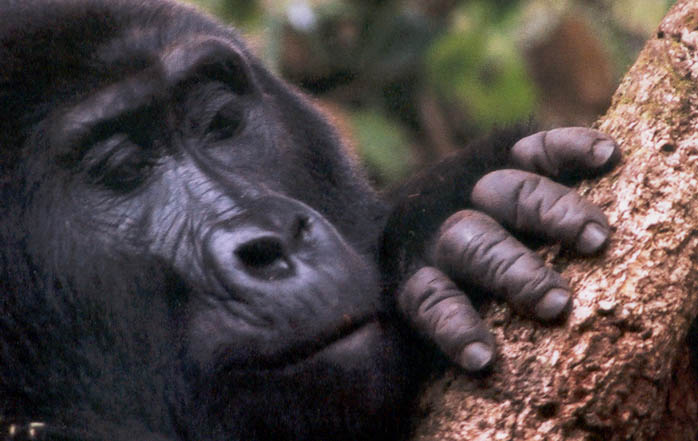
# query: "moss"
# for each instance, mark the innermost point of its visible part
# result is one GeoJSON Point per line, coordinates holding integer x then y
{"type": "Point", "coordinates": [658, 91]}
{"type": "Point", "coordinates": [690, 21]}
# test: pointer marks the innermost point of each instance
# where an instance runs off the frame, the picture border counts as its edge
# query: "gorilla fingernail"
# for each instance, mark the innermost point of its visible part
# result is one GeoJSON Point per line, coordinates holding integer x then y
{"type": "Point", "coordinates": [592, 238]}
{"type": "Point", "coordinates": [476, 356]}
{"type": "Point", "coordinates": [604, 150]}
{"type": "Point", "coordinates": [554, 304]}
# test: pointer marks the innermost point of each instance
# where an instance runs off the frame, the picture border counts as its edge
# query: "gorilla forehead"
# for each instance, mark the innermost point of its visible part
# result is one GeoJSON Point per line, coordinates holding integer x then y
{"type": "Point", "coordinates": [136, 25]}
{"type": "Point", "coordinates": [58, 49]}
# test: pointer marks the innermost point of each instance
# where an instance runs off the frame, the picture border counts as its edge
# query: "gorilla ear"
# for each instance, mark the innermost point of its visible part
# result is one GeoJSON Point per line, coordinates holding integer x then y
{"type": "Point", "coordinates": [211, 59]}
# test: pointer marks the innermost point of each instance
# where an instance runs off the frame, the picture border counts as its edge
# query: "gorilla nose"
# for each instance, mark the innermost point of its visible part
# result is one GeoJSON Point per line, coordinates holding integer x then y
{"type": "Point", "coordinates": [265, 257]}
{"type": "Point", "coordinates": [272, 241]}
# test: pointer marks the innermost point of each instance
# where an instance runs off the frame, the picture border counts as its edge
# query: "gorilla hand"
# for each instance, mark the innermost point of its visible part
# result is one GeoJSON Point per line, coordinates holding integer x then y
{"type": "Point", "coordinates": [473, 248]}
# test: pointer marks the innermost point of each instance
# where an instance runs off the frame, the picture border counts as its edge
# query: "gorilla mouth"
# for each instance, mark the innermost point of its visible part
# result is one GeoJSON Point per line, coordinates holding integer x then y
{"type": "Point", "coordinates": [353, 340]}
{"type": "Point", "coordinates": [344, 342]}
{"type": "Point", "coordinates": [348, 341]}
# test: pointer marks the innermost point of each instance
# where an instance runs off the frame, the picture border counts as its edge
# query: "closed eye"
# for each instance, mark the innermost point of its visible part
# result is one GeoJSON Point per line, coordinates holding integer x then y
{"type": "Point", "coordinates": [226, 123]}
{"type": "Point", "coordinates": [138, 126]}
{"type": "Point", "coordinates": [117, 163]}
{"type": "Point", "coordinates": [133, 107]}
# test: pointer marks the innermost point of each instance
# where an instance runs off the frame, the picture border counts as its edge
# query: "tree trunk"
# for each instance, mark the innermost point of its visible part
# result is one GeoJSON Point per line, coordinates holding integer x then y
{"type": "Point", "coordinates": [619, 368]}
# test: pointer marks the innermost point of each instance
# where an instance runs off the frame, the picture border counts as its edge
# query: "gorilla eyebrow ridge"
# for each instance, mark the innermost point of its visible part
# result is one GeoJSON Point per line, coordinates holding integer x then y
{"type": "Point", "coordinates": [80, 123]}
{"type": "Point", "coordinates": [209, 57]}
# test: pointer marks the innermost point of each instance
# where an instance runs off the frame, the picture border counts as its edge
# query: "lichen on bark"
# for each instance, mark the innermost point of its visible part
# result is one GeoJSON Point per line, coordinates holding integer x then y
{"type": "Point", "coordinates": [619, 367]}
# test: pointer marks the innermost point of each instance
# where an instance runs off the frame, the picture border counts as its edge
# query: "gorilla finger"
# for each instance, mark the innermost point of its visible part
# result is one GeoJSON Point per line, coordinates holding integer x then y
{"type": "Point", "coordinates": [443, 314]}
{"type": "Point", "coordinates": [570, 151]}
{"type": "Point", "coordinates": [473, 248]}
{"type": "Point", "coordinates": [533, 204]}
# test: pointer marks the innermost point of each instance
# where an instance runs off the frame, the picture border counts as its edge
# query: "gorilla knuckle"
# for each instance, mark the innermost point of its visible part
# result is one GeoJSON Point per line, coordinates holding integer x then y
{"type": "Point", "coordinates": [566, 152]}
{"type": "Point", "coordinates": [531, 154]}
{"type": "Point", "coordinates": [466, 243]}
{"type": "Point", "coordinates": [420, 289]}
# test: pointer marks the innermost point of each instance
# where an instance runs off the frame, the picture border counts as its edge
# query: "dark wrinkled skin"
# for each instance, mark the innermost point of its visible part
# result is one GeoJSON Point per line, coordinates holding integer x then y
{"type": "Point", "coordinates": [188, 253]}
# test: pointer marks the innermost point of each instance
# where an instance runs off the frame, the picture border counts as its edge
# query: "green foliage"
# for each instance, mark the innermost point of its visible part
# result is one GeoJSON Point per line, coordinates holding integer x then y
{"type": "Point", "coordinates": [242, 12]}
{"type": "Point", "coordinates": [382, 144]}
{"type": "Point", "coordinates": [640, 16]}
{"type": "Point", "coordinates": [394, 44]}
{"type": "Point", "coordinates": [379, 58]}
{"type": "Point", "coordinates": [478, 64]}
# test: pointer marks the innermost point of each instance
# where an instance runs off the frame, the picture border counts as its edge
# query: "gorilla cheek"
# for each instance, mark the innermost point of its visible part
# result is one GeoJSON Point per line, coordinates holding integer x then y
{"type": "Point", "coordinates": [210, 331]}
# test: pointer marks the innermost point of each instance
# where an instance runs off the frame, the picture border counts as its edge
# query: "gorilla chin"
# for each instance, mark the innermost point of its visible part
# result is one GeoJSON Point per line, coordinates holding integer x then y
{"type": "Point", "coordinates": [354, 388]}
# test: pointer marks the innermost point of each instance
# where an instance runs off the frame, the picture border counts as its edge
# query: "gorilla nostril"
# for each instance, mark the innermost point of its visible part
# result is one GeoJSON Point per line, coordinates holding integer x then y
{"type": "Point", "coordinates": [301, 227]}
{"type": "Point", "coordinates": [266, 255]}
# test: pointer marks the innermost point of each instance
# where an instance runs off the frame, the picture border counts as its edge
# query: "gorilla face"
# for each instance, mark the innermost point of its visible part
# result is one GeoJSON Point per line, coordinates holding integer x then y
{"type": "Point", "coordinates": [168, 190]}
{"type": "Point", "coordinates": [174, 164]}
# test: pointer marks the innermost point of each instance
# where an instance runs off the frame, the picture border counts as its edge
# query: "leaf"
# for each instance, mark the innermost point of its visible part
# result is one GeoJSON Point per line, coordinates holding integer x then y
{"type": "Point", "coordinates": [382, 144]}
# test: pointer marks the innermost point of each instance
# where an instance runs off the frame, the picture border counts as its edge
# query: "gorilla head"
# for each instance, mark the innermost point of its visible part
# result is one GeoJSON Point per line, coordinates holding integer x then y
{"type": "Point", "coordinates": [162, 268]}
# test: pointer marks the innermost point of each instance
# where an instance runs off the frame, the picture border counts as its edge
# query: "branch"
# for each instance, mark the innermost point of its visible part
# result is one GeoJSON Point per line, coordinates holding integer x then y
{"type": "Point", "coordinates": [619, 367]}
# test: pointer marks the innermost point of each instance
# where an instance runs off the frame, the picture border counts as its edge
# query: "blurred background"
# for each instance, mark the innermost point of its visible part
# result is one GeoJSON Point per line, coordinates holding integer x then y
{"type": "Point", "coordinates": [408, 81]}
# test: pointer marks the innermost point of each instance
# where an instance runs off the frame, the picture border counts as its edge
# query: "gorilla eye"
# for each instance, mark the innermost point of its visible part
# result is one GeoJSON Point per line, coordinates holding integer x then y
{"type": "Point", "coordinates": [117, 163]}
{"type": "Point", "coordinates": [226, 123]}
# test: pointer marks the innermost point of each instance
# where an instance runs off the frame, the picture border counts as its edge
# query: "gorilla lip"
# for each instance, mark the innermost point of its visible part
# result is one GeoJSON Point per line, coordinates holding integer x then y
{"type": "Point", "coordinates": [347, 339]}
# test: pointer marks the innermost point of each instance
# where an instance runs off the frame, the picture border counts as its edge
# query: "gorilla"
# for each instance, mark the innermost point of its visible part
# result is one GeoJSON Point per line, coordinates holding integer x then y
{"type": "Point", "coordinates": [188, 252]}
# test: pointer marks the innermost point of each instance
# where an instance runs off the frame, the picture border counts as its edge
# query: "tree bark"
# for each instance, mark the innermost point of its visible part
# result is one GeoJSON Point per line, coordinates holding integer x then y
{"type": "Point", "coordinates": [619, 368]}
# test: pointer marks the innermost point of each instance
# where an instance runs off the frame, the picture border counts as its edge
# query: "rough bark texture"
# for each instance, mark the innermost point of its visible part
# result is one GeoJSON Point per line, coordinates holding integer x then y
{"type": "Point", "coordinates": [619, 368]}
